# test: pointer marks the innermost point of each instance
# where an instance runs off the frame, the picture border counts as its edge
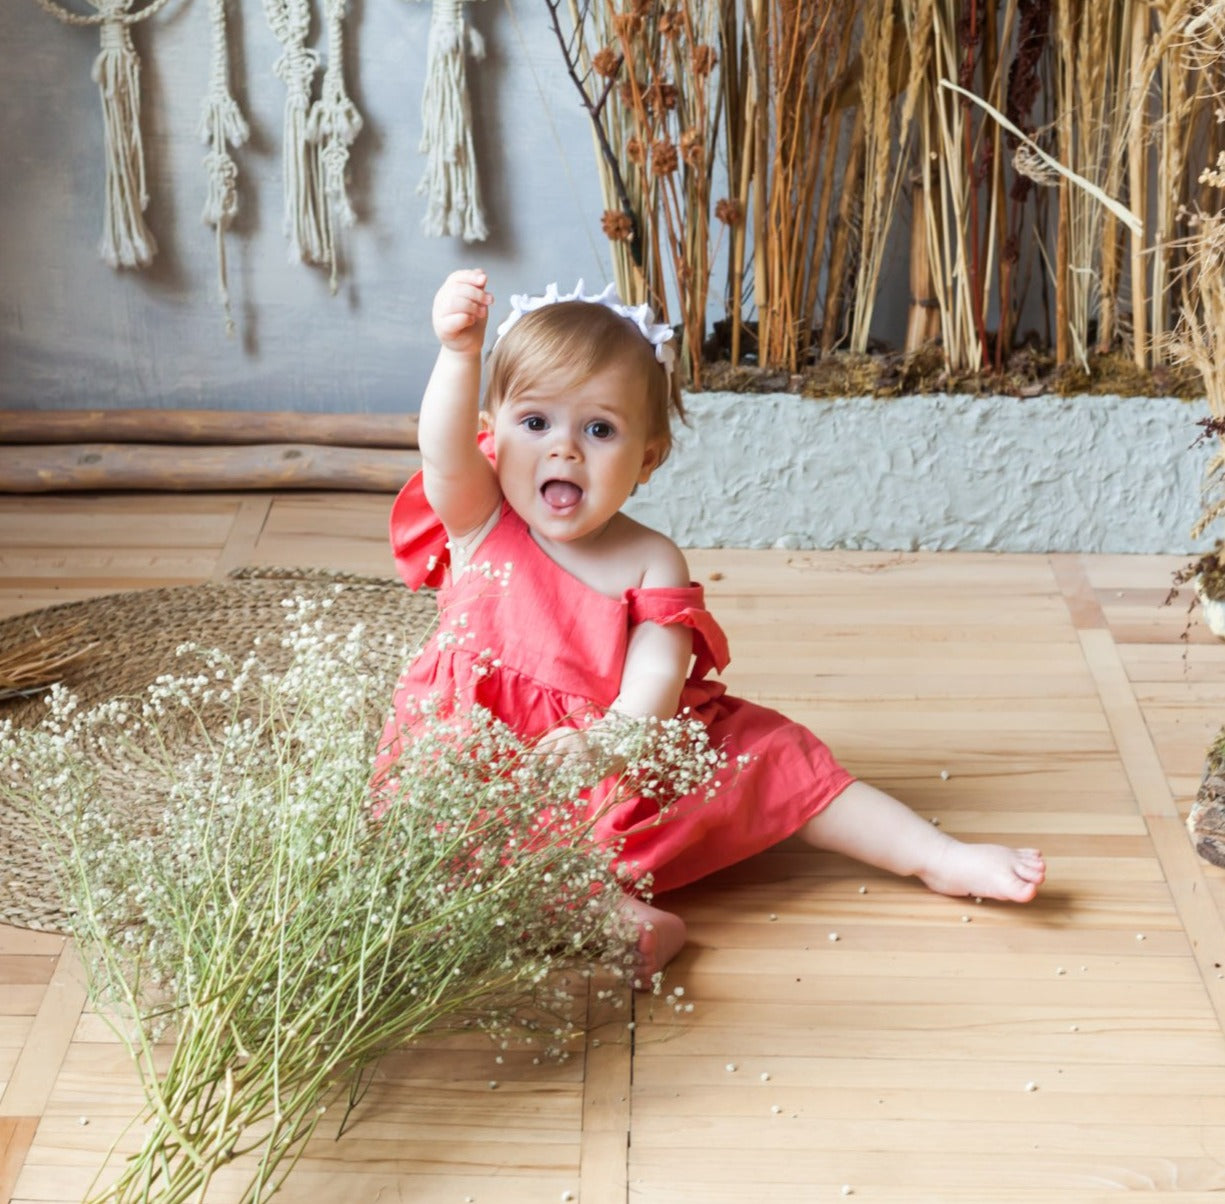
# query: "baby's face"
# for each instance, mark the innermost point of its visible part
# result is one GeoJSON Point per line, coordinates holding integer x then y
{"type": "Point", "coordinates": [568, 456]}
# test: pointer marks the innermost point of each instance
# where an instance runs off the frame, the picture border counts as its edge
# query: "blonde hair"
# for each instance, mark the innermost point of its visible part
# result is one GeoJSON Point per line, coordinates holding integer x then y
{"type": "Point", "coordinates": [570, 342]}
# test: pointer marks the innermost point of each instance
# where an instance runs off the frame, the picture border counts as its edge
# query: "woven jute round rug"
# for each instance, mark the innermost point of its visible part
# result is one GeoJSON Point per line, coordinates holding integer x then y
{"type": "Point", "coordinates": [119, 644]}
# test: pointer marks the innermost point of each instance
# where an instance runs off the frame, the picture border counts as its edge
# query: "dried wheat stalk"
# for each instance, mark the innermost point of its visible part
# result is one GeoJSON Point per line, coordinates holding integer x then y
{"type": "Point", "coordinates": [785, 116]}
{"type": "Point", "coordinates": [885, 148]}
{"type": "Point", "coordinates": [946, 176]}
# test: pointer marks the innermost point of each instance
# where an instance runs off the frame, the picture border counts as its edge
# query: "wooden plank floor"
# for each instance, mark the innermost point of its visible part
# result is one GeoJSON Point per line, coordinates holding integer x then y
{"type": "Point", "coordinates": [849, 1034]}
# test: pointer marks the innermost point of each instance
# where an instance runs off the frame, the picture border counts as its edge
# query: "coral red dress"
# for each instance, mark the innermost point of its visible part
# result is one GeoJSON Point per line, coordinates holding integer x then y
{"type": "Point", "coordinates": [559, 648]}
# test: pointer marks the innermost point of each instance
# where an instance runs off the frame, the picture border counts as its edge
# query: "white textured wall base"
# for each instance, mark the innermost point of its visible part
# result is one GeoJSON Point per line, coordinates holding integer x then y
{"type": "Point", "coordinates": [1046, 474]}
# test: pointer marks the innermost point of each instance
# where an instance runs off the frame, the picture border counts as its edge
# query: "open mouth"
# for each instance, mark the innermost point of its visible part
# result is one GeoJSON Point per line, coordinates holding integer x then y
{"type": "Point", "coordinates": [561, 495]}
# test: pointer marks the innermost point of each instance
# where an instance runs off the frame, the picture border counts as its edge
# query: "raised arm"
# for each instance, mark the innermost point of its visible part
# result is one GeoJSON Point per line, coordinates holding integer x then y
{"type": "Point", "coordinates": [460, 483]}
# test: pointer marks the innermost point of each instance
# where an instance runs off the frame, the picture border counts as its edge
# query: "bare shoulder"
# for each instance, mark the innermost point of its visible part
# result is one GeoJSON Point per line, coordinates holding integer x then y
{"type": "Point", "coordinates": [663, 563]}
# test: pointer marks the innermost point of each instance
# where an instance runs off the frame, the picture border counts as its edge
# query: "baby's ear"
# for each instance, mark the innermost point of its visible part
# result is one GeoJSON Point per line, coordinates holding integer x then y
{"type": "Point", "coordinates": [652, 458]}
{"type": "Point", "coordinates": [484, 421]}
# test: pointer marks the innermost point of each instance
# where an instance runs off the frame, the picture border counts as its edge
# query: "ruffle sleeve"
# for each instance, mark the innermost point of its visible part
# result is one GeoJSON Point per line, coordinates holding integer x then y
{"type": "Point", "coordinates": [419, 541]}
{"type": "Point", "coordinates": [684, 605]}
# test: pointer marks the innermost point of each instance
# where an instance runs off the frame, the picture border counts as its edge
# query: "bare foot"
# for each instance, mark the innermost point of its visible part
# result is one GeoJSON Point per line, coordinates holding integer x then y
{"type": "Point", "coordinates": [872, 826]}
{"type": "Point", "coordinates": [661, 936]}
{"type": "Point", "coordinates": [989, 871]}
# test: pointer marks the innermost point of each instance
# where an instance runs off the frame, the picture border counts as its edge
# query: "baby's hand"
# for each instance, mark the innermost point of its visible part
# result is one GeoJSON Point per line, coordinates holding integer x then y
{"type": "Point", "coordinates": [564, 742]}
{"type": "Point", "coordinates": [461, 309]}
{"type": "Point", "coordinates": [568, 749]}
{"type": "Point", "coordinates": [581, 751]}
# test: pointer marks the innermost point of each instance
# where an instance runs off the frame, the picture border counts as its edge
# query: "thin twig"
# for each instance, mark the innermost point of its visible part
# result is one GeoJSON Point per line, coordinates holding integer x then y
{"type": "Point", "coordinates": [595, 112]}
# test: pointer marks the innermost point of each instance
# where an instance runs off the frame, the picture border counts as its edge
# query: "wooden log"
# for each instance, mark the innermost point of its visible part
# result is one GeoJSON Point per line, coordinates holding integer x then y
{"type": "Point", "coordinates": [51, 468]}
{"type": "Point", "coordinates": [207, 427]}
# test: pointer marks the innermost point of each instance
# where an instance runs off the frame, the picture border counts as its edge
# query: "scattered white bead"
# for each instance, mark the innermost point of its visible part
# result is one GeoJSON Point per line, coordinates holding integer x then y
{"type": "Point", "coordinates": [765, 1077]}
{"type": "Point", "coordinates": [833, 936]}
{"type": "Point", "coordinates": [847, 1190]}
{"type": "Point", "coordinates": [567, 1195]}
{"type": "Point", "coordinates": [1059, 970]}
{"type": "Point", "coordinates": [730, 1068]}
{"type": "Point", "coordinates": [935, 821]}
{"type": "Point", "coordinates": [863, 890]}
{"type": "Point", "coordinates": [774, 915]}
{"type": "Point", "coordinates": [493, 1084]}
{"type": "Point", "coordinates": [775, 1109]}
{"type": "Point", "coordinates": [1075, 1028]}
{"type": "Point", "coordinates": [965, 919]}
{"type": "Point", "coordinates": [84, 1120]}
{"type": "Point", "coordinates": [1139, 936]}
{"type": "Point", "coordinates": [944, 775]}
{"type": "Point", "coordinates": [1031, 1086]}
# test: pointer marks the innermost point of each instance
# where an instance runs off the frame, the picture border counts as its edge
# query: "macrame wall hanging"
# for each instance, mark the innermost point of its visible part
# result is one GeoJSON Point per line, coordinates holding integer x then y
{"type": "Point", "coordinates": [221, 126]}
{"type": "Point", "coordinates": [450, 181]}
{"type": "Point", "coordinates": [332, 128]}
{"type": "Point", "coordinates": [126, 240]}
{"type": "Point", "coordinates": [316, 137]}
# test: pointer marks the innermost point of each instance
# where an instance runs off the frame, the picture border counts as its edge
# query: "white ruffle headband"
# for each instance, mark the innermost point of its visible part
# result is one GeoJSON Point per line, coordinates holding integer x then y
{"type": "Point", "coordinates": [658, 334]}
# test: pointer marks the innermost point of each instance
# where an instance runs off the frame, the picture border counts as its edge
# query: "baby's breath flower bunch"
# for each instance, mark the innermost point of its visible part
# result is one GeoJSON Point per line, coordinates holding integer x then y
{"type": "Point", "coordinates": [287, 921]}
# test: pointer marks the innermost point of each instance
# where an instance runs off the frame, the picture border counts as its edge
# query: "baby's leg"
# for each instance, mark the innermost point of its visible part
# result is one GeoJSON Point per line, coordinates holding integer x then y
{"type": "Point", "coordinates": [661, 936]}
{"type": "Point", "coordinates": [871, 826]}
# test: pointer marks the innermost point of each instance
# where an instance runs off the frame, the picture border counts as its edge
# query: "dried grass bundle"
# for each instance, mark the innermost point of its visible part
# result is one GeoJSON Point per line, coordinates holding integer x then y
{"type": "Point", "coordinates": [886, 145]}
{"type": "Point", "coordinates": [1199, 340]}
{"type": "Point", "coordinates": [1198, 337]}
{"type": "Point", "coordinates": [822, 113]}
{"type": "Point", "coordinates": [39, 662]}
{"type": "Point", "coordinates": [956, 153]}
{"type": "Point", "coordinates": [800, 61]}
{"type": "Point", "coordinates": [648, 78]}
{"type": "Point", "coordinates": [1091, 69]}
{"type": "Point", "coordinates": [758, 86]}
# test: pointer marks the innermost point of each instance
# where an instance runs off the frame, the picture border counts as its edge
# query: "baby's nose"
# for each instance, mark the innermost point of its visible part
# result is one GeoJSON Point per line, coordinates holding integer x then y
{"type": "Point", "coordinates": [564, 444]}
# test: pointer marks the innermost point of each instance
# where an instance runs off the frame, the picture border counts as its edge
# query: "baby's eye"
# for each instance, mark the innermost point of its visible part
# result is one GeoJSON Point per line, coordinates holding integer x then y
{"type": "Point", "coordinates": [535, 423]}
{"type": "Point", "coordinates": [600, 429]}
